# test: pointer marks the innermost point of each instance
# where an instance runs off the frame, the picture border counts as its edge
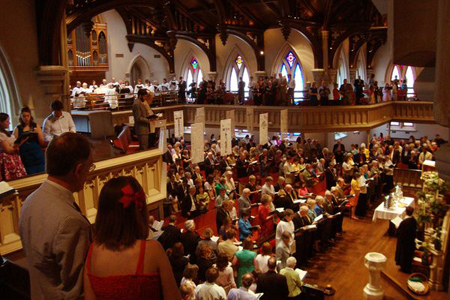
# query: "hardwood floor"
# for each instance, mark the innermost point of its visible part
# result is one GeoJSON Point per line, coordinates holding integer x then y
{"type": "Point", "coordinates": [342, 266]}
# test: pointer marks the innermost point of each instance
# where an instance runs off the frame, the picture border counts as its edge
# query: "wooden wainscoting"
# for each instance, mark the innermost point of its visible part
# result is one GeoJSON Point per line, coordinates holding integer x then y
{"type": "Point", "coordinates": [147, 167]}
{"type": "Point", "coordinates": [408, 178]}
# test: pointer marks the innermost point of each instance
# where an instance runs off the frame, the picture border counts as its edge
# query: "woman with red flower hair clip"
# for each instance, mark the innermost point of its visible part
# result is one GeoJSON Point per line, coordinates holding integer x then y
{"type": "Point", "coordinates": [121, 263]}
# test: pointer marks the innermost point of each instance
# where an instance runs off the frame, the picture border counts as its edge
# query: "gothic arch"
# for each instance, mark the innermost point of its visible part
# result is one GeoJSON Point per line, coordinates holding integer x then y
{"type": "Point", "coordinates": [9, 94]}
{"type": "Point", "coordinates": [230, 61]}
{"type": "Point", "coordinates": [280, 56]}
{"type": "Point", "coordinates": [143, 65]}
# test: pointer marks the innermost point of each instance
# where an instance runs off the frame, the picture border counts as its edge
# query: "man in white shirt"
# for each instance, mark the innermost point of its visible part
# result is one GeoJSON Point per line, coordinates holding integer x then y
{"type": "Point", "coordinates": [57, 122]}
{"type": "Point", "coordinates": [244, 292]}
{"type": "Point", "coordinates": [286, 225]}
{"type": "Point", "coordinates": [210, 290]}
{"type": "Point", "coordinates": [268, 187]}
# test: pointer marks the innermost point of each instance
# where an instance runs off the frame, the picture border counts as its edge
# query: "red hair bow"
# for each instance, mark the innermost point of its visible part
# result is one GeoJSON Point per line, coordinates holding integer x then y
{"type": "Point", "coordinates": [129, 196]}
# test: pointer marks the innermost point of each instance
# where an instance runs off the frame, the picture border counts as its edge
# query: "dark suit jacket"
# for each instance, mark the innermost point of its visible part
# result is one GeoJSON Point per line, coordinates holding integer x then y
{"type": "Point", "coordinates": [273, 285]}
{"type": "Point", "coordinates": [283, 201]}
{"type": "Point", "coordinates": [331, 179]}
{"type": "Point", "coordinates": [170, 236]}
{"type": "Point", "coordinates": [221, 215]}
{"type": "Point", "coordinates": [209, 166]}
{"type": "Point", "coordinates": [141, 123]}
{"type": "Point", "coordinates": [190, 241]}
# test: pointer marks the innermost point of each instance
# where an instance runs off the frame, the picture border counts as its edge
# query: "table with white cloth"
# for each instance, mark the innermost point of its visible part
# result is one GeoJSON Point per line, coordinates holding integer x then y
{"type": "Point", "coordinates": [398, 209]}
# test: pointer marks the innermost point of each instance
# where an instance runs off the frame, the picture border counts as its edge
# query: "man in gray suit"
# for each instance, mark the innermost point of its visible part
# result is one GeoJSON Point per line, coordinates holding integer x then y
{"type": "Point", "coordinates": [141, 122]}
{"type": "Point", "coordinates": [55, 235]}
{"type": "Point", "coordinates": [244, 202]}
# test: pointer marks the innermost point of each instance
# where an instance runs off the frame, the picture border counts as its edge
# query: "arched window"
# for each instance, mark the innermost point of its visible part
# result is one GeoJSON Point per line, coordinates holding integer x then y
{"type": "Point", "coordinates": [410, 79]}
{"type": "Point", "coordinates": [194, 72]}
{"type": "Point", "coordinates": [238, 70]}
{"type": "Point", "coordinates": [290, 67]}
{"type": "Point", "coordinates": [9, 95]}
{"type": "Point", "coordinates": [396, 74]}
{"type": "Point", "coordinates": [342, 72]}
{"type": "Point", "coordinates": [405, 75]}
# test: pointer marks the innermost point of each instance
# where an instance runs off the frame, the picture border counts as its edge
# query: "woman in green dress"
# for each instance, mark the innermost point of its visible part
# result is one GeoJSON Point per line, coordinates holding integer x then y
{"type": "Point", "coordinates": [244, 260]}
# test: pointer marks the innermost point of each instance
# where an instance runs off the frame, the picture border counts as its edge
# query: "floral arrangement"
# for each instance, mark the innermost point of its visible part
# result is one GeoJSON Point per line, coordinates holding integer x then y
{"type": "Point", "coordinates": [431, 209]}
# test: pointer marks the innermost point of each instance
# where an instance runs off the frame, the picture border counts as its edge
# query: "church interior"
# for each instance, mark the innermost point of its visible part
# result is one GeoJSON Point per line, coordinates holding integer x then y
{"type": "Point", "coordinates": [258, 137]}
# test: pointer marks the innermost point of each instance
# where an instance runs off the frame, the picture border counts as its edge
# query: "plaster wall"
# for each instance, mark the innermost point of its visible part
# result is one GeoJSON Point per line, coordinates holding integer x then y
{"type": "Point", "coordinates": [119, 67]}
{"type": "Point", "coordinates": [429, 130]}
{"type": "Point", "coordinates": [184, 52]}
{"type": "Point", "coordinates": [18, 39]}
{"type": "Point", "coordinates": [274, 43]}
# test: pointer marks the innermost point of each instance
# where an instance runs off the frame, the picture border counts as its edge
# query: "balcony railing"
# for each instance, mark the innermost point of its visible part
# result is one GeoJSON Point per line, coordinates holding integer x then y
{"type": "Point", "coordinates": [146, 167]}
{"type": "Point", "coordinates": [305, 119]}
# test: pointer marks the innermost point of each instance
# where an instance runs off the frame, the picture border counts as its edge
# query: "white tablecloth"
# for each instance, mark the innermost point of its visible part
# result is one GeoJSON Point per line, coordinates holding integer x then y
{"type": "Point", "coordinates": [391, 213]}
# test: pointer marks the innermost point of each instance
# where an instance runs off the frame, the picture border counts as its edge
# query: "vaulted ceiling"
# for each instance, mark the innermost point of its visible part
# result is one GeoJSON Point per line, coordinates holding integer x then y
{"type": "Point", "coordinates": [162, 23]}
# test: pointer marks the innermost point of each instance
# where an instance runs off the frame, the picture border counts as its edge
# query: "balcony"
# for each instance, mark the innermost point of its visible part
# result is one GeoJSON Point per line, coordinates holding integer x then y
{"type": "Point", "coordinates": [305, 119]}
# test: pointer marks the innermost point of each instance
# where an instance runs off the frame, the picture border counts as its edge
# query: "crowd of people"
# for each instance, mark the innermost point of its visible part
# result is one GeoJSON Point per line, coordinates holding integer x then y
{"type": "Point", "coordinates": [302, 209]}
{"type": "Point", "coordinates": [275, 90]}
{"type": "Point", "coordinates": [22, 150]}
{"type": "Point", "coordinates": [276, 205]}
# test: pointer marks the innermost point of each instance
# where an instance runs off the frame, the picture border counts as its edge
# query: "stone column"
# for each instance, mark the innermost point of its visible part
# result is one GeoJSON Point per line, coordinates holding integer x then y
{"type": "Point", "coordinates": [375, 262]}
{"type": "Point", "coordinates": [259, 73]}
{"type": "Point", "coordinates": [51, 79]}
{"type": "Point", "coordinates": [212, 75]}
{"type": "Point", "coordinates": [352, 75]}
{"type": "Point", "coordinates": [319, 75]}
{"type": "Point", "coordinates": [325, 35]}
{"type": "Point", "coordinates": [332, 76]}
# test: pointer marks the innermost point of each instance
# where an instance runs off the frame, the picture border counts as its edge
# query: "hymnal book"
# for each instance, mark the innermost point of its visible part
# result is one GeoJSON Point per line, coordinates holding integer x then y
{"type": "Point", "coordinates": [280, 209]}
{"type": "Point", "coordinates": [215, 239]}
{"type": "Point", "coordinates": [6, 189]}
{"type": "Point", "coordinates": [254, 228]}
{"type": "Point", "coordinates": [258, 296]}
{"type": "Point", "coordinates": [155, 116]}
{"type": "Point", "coordinates": [26, 135]}
{"type": "Point", "coordinates": [237, 243]}
{"type": "Point", "coordinates": [309, 227]}
{"type": "Point", "coordinates": [396, 221]}
{"type": "Point", "coordinates": [302, 273]}
{"type": "Point", "coordinates": [299, 201]}
{"type": "Point", "coordinates": [318, 218]}
{"type": "Point", "coordinates": [254, 162]}
{"type": "Point", "coordinates": [157, 225]}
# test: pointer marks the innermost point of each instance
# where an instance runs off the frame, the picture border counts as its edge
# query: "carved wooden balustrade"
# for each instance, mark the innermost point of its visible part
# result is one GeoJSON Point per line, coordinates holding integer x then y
{"type": "Point", "coordinates": [304, 119]}
{"type": "Point", "coordinates": [146, 167]}
{"type": "Point", "coordinates": [417, 111]}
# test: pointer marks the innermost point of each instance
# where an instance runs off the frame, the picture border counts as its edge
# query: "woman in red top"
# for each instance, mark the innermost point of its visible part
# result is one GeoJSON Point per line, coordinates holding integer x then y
{"type": "Point", "coordinates": [121, 264]}
{"type": "Point", "coordinates": [265, 218]}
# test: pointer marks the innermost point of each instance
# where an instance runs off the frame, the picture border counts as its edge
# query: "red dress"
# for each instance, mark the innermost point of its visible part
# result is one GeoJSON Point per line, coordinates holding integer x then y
{"type": "Point", "coordinates": [266, 225]}
{"type": "Point", "coordinates": [126, 287]}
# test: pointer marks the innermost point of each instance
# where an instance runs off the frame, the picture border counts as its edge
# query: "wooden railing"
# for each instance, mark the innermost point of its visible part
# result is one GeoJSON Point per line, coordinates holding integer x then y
{"type": "Point", "coordinates": [305, 119]}
{"type": "Point", "coordinates": [146, 167]}
{"type": "Point", "coordinates": [408, 178]}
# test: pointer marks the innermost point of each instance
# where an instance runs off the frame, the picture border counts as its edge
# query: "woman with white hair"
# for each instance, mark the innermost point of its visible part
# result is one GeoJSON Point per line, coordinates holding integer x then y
{"type": "Point", "coordinates": [189, 238]}
{"type": "Point", "coordinates": [293, 278]}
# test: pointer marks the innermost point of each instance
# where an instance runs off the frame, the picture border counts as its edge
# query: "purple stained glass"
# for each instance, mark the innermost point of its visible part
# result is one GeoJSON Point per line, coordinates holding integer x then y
{"type": "Point", "coordinates": [290, 58]}
{"type": "Point", "coordinates": [194, 64]}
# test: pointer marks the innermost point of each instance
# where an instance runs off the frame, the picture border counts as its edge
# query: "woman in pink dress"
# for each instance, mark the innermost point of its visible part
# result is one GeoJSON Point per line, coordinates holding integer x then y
{"type": "Point", "coordinates": [11, 166]}
{"type": "Point", "coordinates": [265, 218]}
{"type": "Point", "coordinates": [121, 263]}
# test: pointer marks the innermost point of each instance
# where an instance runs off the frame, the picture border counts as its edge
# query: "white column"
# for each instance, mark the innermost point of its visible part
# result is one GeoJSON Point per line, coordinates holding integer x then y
{"type": "Point", "coordinates": [375, 262]}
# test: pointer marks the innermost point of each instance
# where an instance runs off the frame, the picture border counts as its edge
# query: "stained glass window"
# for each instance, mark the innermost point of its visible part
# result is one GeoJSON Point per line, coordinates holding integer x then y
{"type": "Point", "coordinates": [299, 87]}
{"type": "Point", "coordinates": [290, 59]}
{"type": "Point", "coordinates": [234, 81]}
{"type": "Point", "coordinates": [396, 73]}
{"type": "Point", "coordinates": [194, 64]}
{"type": "Point", "coordinates": [189, 78]}
{"type": "Point", "coordinates": [239, 61]}
{"type": "Point", "coordinates": [284, 71]}
{"type": "Point", "coordinates": [409, 80]}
